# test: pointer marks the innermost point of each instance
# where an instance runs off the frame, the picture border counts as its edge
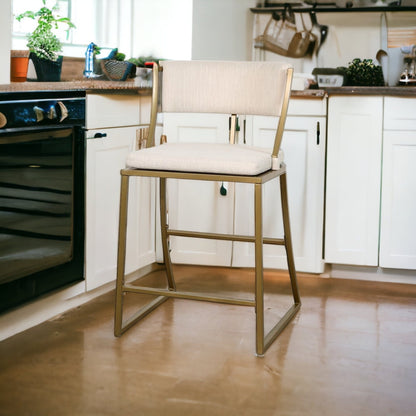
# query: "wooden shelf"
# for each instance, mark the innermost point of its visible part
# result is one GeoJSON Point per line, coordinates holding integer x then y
{"type": "Point", "coordinates": [333, 9]}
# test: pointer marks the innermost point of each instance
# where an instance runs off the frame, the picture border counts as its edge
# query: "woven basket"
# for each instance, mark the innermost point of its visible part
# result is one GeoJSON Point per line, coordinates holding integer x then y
{"type": "Point", "coordinates": [116, 70]}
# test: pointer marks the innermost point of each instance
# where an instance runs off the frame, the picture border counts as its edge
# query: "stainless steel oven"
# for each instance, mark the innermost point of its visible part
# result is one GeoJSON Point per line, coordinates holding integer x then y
{"type": "Point", "coordinates": [42, 175]}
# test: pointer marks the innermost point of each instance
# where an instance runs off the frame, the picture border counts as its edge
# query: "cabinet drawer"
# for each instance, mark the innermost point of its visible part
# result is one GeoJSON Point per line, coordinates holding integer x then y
{"type": "Point", "coordinates": [307, 107]}
{"type": "Point", "coordinates": [108, 110]}
{"type": "Point", "coordinates": [399, 113]}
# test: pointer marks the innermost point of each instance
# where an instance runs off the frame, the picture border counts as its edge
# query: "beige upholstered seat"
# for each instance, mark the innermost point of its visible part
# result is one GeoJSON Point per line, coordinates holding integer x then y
{"type": "Point", "coordinates": [250, 88]}
{"type": "Point", "coordinates": [204, 157]}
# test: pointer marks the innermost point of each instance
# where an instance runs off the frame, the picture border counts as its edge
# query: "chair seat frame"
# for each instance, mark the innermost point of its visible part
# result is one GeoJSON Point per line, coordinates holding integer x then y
{"type": "Point", "coordinates": [263, 340]}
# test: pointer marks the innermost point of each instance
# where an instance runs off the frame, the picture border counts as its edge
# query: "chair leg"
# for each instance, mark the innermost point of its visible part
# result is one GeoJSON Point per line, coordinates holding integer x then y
{"type": "Point", "coordinates": [288, 240]}
{"type": "Point", "coordinates": [165, 237]}
{"type": "Point", "coordinates": [121, 256]}
{"type": "Point", "coordinates": [259, 287]}
{"type": "Point", "coordinates": [119, 326]}
{"type": "Point", "coordinates": [263, 341]}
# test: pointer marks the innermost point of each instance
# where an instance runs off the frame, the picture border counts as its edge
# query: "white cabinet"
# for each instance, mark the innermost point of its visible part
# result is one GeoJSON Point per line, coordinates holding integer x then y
{"type": "Point", "coordinates": [353, 180]}
{"type": "Point", "coordinates": [371, 182]}
{"type": "Point", "coordinates": [398, 202]}
{"type": "Point", "coordinates": [304, 153]}
{"type": "Point", "coordinates": [200, 206]}
{"type": "Point", "coordinates": [106, 155]}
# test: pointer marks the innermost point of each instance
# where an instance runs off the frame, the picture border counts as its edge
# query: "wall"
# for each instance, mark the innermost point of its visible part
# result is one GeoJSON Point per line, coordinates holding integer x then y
{"type": "Point", "coordinates": [222, 29]}
{"type": "Point", "coordinates": [351, 35]}
{"type": "Point", "coordinates": [162, 28]}
{"type": "Point", "coordinates": [5, 40]}
{"type": "Point", "coordinates": [193, 29]}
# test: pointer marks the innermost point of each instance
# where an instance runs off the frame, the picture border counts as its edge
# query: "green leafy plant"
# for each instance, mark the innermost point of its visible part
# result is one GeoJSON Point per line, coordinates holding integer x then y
{"type": "Point", "coordinates": [141, 60]}
{"type": "Point", "coordinates": [364, 73]}
{"type": "Point", "coordinates": [120, 56]}
{"type": "Point", "coordinates": [43, 42]}
{"type": "Point", "coordinates": [96, 50]}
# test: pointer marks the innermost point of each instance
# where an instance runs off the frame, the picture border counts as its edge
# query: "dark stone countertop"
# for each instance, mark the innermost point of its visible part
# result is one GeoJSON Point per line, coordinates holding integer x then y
{"type": "Point", "coordinates": [400, 91]}
{"type": "Point", "coordinates": [133, 86]}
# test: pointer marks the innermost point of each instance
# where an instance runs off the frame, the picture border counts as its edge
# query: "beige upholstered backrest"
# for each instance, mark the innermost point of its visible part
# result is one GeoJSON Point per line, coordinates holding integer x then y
{"type": "Point", "coordinates": [227, 87]}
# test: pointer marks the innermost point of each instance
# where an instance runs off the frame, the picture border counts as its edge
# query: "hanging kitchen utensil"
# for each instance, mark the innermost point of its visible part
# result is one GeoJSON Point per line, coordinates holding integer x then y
{"type": "Point", "coordinates": [286, 34]}
{"type": "Point", "coordinates": [322, 33]}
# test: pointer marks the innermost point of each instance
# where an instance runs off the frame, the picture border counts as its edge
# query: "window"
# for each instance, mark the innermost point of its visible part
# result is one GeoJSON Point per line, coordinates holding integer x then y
{"type": "Point", "coordinates": [81, 13]}
{"type": "Point", "coordinates": [135, 27]}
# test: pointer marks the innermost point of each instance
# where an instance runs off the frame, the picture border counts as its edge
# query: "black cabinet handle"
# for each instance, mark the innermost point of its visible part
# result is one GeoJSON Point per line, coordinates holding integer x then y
{"type": "Point", "coordinates": [100, 135]}
{"type": "Point", "coordinates": [318, 132]}
{"type": "Point", "coordinates": [96, 135]}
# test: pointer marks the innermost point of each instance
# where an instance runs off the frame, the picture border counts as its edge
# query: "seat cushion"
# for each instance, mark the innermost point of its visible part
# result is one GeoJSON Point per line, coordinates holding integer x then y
{"type": "Point", "coordinates": [232, 159]}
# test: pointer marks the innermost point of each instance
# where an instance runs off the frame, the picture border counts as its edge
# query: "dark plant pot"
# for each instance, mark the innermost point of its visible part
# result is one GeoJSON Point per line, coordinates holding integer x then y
{"type": "Point", "coordinates": [46, 70]}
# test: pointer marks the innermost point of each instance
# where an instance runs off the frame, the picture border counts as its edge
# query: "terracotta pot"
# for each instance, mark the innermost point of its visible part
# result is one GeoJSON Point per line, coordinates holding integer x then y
{"type": "Point", "coordinates": [19, 61]}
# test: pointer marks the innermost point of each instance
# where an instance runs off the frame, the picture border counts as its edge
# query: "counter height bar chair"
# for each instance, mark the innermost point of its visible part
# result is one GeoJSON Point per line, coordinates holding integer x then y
{"type": "Point", "coordinates": [249, 88]}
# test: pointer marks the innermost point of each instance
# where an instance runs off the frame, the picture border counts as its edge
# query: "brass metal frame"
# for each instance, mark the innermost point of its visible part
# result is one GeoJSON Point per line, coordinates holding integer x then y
{"type": "Point", "coordinates": [263, 341]}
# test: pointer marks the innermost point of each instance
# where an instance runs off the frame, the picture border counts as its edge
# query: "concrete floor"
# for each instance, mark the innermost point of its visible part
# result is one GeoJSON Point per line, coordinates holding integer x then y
{"type": "Point", "coordinates": [350, 351]}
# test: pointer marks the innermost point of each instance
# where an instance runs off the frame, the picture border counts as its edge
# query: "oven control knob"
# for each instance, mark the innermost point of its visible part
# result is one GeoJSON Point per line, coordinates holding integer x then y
{"type": "Point", "coordinates": [40, 114]}
{"type": "Point", "coordinates": [52, 113]}
{"type": "Point", "coordinates": [3, 120]}
{"type": "Point", "coordinates": [64, 111]}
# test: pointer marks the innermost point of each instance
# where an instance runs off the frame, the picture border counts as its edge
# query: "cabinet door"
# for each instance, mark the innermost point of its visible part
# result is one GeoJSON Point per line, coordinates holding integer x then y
{"type": "Point", "coordinates": [105, 157]}
{"type": "Point", "coordinates": [304, 155]}
{"type": "Point", "coordinates": [197, 205]}
{"type": "Point", "coordinates": [353, 180]}
{"type": "Point", "coordinates": [398, 205]}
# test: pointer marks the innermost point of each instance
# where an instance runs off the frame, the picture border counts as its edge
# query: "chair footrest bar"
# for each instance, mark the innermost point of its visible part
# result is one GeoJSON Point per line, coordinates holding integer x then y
{"type": "Point", "coordinates": [281, 325]}
{"type": "Point", "coordinates": [218, 236]}
{"type": "Point", "coordinates": [141, 313]}
{"type": "Point", "coordinates": [188, 295]}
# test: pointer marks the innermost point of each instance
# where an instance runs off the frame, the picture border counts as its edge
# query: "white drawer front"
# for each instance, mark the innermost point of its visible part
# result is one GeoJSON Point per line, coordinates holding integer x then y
{"type": "Point", "coordinates": [108, 110]}
{"type": "Point", "coordinates": [399, 113]}
{"type": "Point", "coordinates": [307, 107]}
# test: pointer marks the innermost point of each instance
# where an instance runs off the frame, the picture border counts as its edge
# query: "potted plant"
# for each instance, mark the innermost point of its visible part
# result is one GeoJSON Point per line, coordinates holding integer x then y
{"type": "Point", "coordinates": [116, 68]}
{"type": "Point", "coordinates": [364, 73]}
{"type": "Point", "coordinates": [43, 43]}
{"type": "Point", "coordinates": [145, 73]}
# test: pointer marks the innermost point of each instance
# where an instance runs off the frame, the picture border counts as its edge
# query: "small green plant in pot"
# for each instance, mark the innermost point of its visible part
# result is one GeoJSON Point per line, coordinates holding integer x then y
{"type": "Point", "coordinates": [43, 43]}
{"type": "Point", "coordinates": [364, 73]}
{"type": "Point", "coordinates": [144, 73]}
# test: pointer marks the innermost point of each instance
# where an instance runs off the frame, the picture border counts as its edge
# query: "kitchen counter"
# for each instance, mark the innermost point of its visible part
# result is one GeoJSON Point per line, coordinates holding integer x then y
{"type": "Point", "coordinates": [401, 91]}
{"type": "Point", "coordinates": [319, 94]}
{"type": "Point", "coordinates": [134, 86]}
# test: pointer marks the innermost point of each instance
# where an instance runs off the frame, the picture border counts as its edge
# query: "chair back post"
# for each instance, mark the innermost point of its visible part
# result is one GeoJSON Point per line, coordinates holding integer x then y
{"type": "Point", "coordinates": [283, 114]}
{"type": "Point", "coordinates": [233, 128]}
{"type": "Point", "coordinates": [154, 107]}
